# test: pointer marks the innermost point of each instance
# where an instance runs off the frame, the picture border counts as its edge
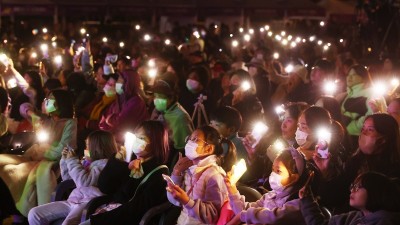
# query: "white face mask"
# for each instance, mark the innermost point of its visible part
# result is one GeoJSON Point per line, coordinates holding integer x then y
{"type": "Point", "coordinates": [275, 182]}
{"type": "Point", "coordinates": [190, 150]}
{"type": "Point", "coordinates": [301, 137]}
{"type": "Point", "coordinates": [192, 85]}
{"type": "Point", "coordinates": [50, 105]}
{"type": "Point", "coordinates": [139, 146]}
{"type": "Point", "coordinates": [118, 88]}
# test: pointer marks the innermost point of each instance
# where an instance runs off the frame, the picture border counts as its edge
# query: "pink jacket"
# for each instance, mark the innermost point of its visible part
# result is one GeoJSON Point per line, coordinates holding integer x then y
{"type": "Point", "coordinates": [208, 193]}
{"type": "Point", "coordinates": [85, 178]}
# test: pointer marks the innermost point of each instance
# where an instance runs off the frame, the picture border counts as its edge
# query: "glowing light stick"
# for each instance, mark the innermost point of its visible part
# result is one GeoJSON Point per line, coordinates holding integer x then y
{"type": "Point", "coordinates": [129, 141]}
{"type": "Point", "coordinates": [237, 171]}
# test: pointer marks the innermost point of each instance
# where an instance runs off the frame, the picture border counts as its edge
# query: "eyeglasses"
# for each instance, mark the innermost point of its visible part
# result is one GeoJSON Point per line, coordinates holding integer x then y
{"type": "Point", "coordinates": [194, 139]}
{"type": "Point", "coordinates": [355, 187]}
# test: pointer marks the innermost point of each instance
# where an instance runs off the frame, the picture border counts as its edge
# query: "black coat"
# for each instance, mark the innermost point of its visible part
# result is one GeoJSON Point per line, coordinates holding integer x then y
{"type": "Point", "coordinates": [150, 194]}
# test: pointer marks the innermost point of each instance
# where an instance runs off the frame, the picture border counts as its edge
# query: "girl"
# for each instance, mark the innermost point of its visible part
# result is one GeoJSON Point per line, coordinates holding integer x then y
{"type": "Point", "coordinates": [131, 199]}
{"type": "Point", "coordinates": [279, 206]}
{"type": "Point", "coordinates": [374, 195]}
{"type": "Point", "coordinates": [101, 146]}
{"type": "Point", "coordinates": [198, 177]}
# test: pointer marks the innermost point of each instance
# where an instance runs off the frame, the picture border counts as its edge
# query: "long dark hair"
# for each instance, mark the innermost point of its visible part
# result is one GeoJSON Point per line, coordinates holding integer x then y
{"type": "Point", "coordinates": [64, 104]}
{"type": "Point", "coordinates": [224, 149]}
{"type": "Point", "coordinates": [37, 85]}
{"type": "Point", "coordinates": [389, 147]}
{"type": "Point", "coordinates": [158, 135]}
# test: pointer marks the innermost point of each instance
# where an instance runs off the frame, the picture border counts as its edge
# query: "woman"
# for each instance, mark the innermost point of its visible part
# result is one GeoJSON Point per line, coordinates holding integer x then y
{"type": "Point", "coordinates": [31, 84]}
{"type": "Point", "coordinates": [131, 198]}
{"type": "Point", "coordinates": [128, 110]}
{"type": "Point", "coordinates": [379, 148]}
{"type": "Point", "coordinates": [356, 103]}
{"type": "Point", "coordinates": [199, 179]}
{"type": "Point", "coordinates": [374, 195]}
{"type": "Point", "coordinates": [327, 180]}
{"type": "Point", "coordinates": [31, 177]}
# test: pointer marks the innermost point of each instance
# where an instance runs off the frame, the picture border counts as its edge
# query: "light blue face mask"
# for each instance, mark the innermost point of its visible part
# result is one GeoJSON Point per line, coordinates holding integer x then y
{"type": "Point", "coordinates": [50, 105]}
{"type": "Point", "coordinates": [160, 104]}
{"type": "Point", "coordinates": [119, 89]}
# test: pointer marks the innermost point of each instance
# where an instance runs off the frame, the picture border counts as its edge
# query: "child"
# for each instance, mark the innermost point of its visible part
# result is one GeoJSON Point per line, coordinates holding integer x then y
{"type": "Point", "coordinates": [279, 206]}
{"type": "Point", "coordinates": [374, 195]}
{"type": "Point", "coordinates": [227, 121]}
{"type": "Point", "coordinates": [101, 146]}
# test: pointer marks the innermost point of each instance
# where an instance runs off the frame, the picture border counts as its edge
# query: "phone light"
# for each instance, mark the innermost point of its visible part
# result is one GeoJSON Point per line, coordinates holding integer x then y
{"type": "Point", "coordinates": [147, 37]}
{"type": "Point", "coordinates": [152, 72]}
{"type": "Point", "coordinates": [235, 43]}
{"type": "Point", "coordinates": [237, 171]}
{"type": "Point", "coordinates": [105, 39]}
{"type": "Point", "coordinates": [247, 37]}
{"type": "Point", "coordinates": [11, 83]}
{"type": "Point", "coordinates": [42, 136]}
{"type": "Point", "coordinates": [276, 55]}
{"type": "Point", "coordinates": [83, 31]}
{"type": "Point", "coordinates": [58, 60]}
{"type": "Point", "coordinates": [167, 42]}
{"type": "Point", "coordinates": [280, 109]}
{"type": "Point", "coordinates": [330, 88]}
{"type": "Point", "coordinates": [289, 68]}
{"type": "Point", "coordinates": [121, 44]}
{"type": "Point", "coordinates": [245, 85]}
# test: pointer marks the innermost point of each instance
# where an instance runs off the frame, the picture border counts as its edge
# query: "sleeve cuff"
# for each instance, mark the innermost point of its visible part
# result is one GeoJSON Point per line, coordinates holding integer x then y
{"type": "Point", "coordinates": [189, 204]}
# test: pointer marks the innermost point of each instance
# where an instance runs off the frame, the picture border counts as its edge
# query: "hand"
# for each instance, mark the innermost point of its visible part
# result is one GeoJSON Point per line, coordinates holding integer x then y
{"type": "Point", "coordinates": [231, 188]}
{"type": "Point", "coordinates": [71, 153]}
{"type": "Point", "coordinates": [374, 105]}
{"type": "Point", "coordinates": [64, 153]}
{"type": "Point", "coordinates": [183, 164]}
{"type": "Point", "coordinates": [178, 193]}
{"type": "Point", "coordinates": [322, 164]}
{"type": "Point", "coordinates": [235, 220]}
{"type": "Point", "coordinates": [248, 142]}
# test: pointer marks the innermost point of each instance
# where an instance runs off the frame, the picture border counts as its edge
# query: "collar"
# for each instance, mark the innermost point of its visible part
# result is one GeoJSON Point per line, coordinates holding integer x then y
{"type": "Point", "coordinates": [204, 164]}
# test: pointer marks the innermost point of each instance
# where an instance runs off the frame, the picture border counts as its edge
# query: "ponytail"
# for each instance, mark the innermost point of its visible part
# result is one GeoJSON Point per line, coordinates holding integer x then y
{"type": "Point", "coordinates": [224, 149]}
{"type": "Point", "coordinates": [226, 153]}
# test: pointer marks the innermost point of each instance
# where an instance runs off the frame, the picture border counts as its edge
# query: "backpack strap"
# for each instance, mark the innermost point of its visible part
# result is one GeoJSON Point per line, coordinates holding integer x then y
{"type": "Point", "coordinates": [147, 177]}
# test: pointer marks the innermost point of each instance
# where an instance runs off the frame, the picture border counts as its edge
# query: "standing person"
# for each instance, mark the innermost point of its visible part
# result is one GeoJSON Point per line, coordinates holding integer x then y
{"type": "Point", "coordinates": [101, 146]}
{"type": "Point", "coordinates": [144, 186]}
{"type": "Point", "coordinates": [199, 179]}
{"type": "Point", "coordinates": [30, 177]}
{"type": "Point", "coordinates": [128, 110]}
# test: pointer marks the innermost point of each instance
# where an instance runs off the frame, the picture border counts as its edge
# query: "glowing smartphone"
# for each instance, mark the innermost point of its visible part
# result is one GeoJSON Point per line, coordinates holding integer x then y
{"type": "Point", "coordinates": [168, 179]}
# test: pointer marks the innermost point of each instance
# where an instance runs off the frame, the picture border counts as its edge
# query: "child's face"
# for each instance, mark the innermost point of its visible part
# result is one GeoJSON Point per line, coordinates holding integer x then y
{"type": "Point", "coordinates": [288, 127]}
{"type": "Point", "coordinates": [286, 178]}
{"type": "Point", "coordinates": [221, 128]}
{"type": "Point", "coordinates": [358, 196]}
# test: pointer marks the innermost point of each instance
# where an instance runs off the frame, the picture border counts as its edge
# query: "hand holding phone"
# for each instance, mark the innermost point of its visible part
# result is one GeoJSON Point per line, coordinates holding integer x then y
{"type": "Point", "coordinates": [168, 179]}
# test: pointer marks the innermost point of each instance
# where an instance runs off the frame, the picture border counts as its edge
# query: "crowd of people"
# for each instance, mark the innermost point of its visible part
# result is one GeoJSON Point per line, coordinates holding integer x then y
{"type": "Point", "coordinates": [318, 135]}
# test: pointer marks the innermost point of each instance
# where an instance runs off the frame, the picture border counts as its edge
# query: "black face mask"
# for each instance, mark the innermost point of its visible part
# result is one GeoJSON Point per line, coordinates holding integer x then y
{"type": "Point", "coordinates": [232, 88]}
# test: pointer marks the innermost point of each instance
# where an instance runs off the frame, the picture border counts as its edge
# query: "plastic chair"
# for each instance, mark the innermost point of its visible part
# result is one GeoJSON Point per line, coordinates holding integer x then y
{"type": "Point", "coordinates": [62, 191]}
{"type": "Point", "coordinates": [249, 193]}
